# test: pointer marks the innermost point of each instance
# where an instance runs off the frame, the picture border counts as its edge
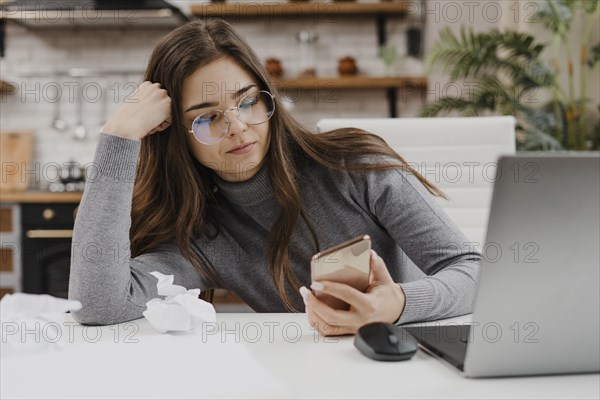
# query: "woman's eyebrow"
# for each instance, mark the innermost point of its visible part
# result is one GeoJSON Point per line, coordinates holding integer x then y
{"type": "Point", "coordinates": [214, 103]}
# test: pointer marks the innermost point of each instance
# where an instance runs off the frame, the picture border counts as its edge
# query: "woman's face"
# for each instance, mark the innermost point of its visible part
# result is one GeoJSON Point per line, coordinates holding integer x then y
{"type": "Point", "coordinates": [221, 85]}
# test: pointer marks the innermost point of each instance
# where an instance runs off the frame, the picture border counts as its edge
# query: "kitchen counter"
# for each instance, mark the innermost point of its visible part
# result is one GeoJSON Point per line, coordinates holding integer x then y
{"type": "Point", "coordinates": [36, 196]}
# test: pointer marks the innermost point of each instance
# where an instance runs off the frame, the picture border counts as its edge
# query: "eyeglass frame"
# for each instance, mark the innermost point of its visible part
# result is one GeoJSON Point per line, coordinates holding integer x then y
{"type": "Point", "coordinates": [226, 119]}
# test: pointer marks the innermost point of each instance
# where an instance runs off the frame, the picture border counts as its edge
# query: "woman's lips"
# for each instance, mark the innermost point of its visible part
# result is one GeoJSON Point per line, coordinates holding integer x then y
{"type": "Point", "coordinates": [243, 150]}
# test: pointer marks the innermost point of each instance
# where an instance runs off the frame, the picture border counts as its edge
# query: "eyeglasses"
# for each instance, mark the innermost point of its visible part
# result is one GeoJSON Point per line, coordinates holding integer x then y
{"type": "Point", "coordinates": [253, 109]}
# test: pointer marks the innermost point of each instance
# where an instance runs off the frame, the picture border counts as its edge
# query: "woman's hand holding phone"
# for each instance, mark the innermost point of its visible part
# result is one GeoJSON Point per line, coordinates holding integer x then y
{"type": "Point", "coordinates": [383, 301]}
{"type": "Point", "coordinates": [146, 111]}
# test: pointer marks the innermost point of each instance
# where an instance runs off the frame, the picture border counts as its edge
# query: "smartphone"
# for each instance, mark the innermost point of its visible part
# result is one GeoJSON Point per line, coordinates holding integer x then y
{"type": "Point", "coordinates": [348, 263]}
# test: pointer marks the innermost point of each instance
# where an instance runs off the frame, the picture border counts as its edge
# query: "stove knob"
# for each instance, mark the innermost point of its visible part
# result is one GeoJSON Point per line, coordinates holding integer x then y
{"type": "Point", "coordinates": [49, 214]}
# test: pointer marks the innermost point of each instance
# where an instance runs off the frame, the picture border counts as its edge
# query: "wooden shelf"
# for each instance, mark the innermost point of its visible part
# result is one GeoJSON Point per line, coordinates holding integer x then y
{"type": "Point", "coordinates": [350, 82]}
{"type": "Point", "coordinates": [331, 11]}
{"type": "Point", "coordinates": [266, 9]}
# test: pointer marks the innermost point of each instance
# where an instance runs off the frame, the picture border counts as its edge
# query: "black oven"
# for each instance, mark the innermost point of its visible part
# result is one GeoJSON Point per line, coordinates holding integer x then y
{"type": "Point", "coordinates": [47, 230]}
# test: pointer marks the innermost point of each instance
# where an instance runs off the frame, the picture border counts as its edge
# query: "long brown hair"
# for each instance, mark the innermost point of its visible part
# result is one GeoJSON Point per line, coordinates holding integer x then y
{"type": "Point", "coordinates": [173, 191]}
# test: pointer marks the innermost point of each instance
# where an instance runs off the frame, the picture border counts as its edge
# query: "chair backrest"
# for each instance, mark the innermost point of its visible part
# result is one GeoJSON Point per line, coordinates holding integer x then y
{"type": "Point", "coordinates": [458, 155]}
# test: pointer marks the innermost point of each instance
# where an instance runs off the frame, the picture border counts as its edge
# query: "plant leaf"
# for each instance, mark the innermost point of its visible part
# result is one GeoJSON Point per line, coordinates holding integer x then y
{"type": "Point", "coordinates": [556, 15]}
{"type": "Point", "coordinates": [594, 55]}
{"type": "Point", "coordinates": [589, 6]}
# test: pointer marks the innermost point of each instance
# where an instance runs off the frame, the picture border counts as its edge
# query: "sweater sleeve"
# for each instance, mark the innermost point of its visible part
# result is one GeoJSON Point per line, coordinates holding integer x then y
{"type": "Point", "coordinates": [418, 224]}
{"type": "Point", "coordinates": [111, 286]}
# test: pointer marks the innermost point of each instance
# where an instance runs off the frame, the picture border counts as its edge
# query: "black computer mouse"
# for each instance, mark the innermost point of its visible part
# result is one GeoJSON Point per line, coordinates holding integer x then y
{"type": "Point", "coordinates": [385, 342]}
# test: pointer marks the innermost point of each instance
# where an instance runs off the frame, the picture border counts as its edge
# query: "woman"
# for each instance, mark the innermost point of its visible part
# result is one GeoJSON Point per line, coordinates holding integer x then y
{"type": "Point", "coordinates": [231, 192]}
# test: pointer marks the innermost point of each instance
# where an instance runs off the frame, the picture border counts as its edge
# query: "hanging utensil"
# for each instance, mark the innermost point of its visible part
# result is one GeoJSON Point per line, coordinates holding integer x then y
{"type": "Point", "coordinates": [79, 133]}
{"type": "Point", "coordinates": [103, 107]}
{"type": "Point", "coordinates": [58, 123]}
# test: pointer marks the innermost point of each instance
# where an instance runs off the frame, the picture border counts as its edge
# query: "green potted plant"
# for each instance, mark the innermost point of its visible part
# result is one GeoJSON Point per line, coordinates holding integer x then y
{"type": "Point", "coordinates": [505, 74]}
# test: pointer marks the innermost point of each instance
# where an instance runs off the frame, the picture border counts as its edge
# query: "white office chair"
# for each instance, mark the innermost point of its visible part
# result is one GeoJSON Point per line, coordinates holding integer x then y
{"type": "Point", "coordinates": [458, 155]}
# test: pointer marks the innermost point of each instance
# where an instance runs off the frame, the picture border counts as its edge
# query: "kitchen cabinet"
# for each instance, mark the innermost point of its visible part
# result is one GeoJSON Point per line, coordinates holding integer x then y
{"type": "Point", "coordinates": [47, 231]}
{"type": "Point", "coordinates": [35, 250]}
{"type": "Point", "coordinates": [35, 245]}
{"type": "Point", "coordinates": [10, 249]}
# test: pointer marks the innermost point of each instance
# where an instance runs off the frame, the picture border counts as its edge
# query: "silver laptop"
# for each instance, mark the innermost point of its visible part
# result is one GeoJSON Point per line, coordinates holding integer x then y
{"type": "Point", "coordinates": [537, 306]}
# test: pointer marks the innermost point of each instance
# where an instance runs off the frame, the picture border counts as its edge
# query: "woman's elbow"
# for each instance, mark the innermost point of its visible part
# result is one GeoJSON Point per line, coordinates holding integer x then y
{"type": "Point", "coordinates": [94, 313]}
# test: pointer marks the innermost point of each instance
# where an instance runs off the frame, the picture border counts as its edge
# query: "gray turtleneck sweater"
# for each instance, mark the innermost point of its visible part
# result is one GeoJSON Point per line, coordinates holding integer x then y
{"type": "Point", "coordinates": [406, 225]}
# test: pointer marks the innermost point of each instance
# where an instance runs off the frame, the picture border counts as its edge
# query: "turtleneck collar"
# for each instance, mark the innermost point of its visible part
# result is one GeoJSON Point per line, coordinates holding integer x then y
{"type": "Point", "coordinates": [252, 191]}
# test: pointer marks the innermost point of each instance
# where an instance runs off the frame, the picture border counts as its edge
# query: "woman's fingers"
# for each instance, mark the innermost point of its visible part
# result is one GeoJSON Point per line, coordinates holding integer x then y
{"type": "Point", "coordinates": [145, 111]}
{"type": "Point", "coordinates": [167, 122]}
{"type": "Point", "coordinates": [164, 126]}
{"type": "Point", "coordinates": [379, 272]}
{"type": "Point", "coordinates": [314, 319]}
{"type": "Point", "coordinates": [383, 301]}
{"type": "Point", "coordinates": [344, 292]}
{"type": "Point", "coordinates": [337, 317]}
{"type": "Point", "coordinates": [320, 325]}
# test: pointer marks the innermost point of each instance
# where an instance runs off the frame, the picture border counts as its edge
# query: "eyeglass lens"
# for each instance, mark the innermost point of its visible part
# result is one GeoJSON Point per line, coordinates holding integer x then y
{"type": "Point", "coordinates": [254, 109]}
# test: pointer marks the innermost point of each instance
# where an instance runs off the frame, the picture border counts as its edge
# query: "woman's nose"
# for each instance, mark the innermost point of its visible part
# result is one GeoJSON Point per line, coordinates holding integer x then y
{"type": "Point", "coordinates": [236, 124]}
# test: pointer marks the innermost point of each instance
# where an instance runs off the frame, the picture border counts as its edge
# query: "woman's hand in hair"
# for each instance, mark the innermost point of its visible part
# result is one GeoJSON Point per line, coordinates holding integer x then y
{"type": "Point", "coordinates": [146, 111]}
{"type": "Point", "coordinates": [383, 301]}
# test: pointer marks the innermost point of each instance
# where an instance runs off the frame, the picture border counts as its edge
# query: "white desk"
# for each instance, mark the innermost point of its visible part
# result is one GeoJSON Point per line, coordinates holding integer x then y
{"type": "Point", "coordinates": [252, 356]}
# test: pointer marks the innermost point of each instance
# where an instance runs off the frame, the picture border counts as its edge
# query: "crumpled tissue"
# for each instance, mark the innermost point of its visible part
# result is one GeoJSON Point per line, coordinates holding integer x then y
{"type": "Point", "coordinates": [181, 310]}
{"type": "Point", "coordinates": [32, 322]}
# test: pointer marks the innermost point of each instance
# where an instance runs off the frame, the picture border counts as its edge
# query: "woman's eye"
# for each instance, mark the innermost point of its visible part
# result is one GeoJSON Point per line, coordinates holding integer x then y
{"type": "Point", "coordinates": [249, 102]}
{"type": "Point", "coordinates": [208, 117]}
